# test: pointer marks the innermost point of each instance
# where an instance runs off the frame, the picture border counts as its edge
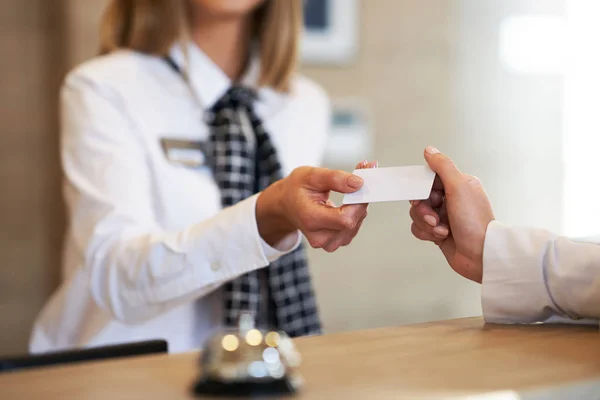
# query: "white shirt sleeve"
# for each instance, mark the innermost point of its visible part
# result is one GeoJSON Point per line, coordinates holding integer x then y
{"type": "Point", "coordinates": [136, 270]}
{"type": "Point", "coordinates": [531, 275]}
{"type": "Point", "coordinates": [286, 245]}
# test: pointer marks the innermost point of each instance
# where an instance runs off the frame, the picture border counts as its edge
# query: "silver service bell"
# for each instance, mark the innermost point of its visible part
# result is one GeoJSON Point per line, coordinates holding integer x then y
{"type": "Point", "coordinates": [249, 362]}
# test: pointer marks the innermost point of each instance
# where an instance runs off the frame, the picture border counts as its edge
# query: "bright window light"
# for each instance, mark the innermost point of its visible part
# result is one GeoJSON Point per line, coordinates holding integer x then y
{"type": "Point", "coordinates": [570, 46]}
{"type": "Point", "coordinates": [581, 139]}
{"type": "Point", "coordinates": [533, 44]}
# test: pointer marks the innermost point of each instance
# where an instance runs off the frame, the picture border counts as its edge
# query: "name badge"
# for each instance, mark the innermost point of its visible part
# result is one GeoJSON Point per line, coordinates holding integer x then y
{"type": "Point", "coordinates": [188, 153]}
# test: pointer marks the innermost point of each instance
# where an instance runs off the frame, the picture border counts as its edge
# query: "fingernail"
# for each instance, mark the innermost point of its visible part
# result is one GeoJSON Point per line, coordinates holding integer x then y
{"type": "Point", "coordinates": [415, 202]}
{"type": "Point", "coordinates": [441, 231]}
{"type": "Point", "coordinates": [430, 219]}
{"type": "Point", "coordinates": [365, 162]}
{"type": "Point", "coordinates": [355, 182]}
{"type": "Point", "coordinates": [431, 150]}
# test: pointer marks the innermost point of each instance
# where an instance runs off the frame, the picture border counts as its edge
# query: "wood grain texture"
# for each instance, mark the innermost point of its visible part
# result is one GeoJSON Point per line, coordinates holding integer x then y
{"type": "Point", "coordinates": [449, 357]}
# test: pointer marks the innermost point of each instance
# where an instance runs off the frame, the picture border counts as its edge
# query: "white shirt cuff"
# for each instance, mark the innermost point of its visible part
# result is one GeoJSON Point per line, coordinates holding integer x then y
{"type": "Point", "coordinates": [285, 246]}
{"type": "Point", "coordinates": [513, 287]}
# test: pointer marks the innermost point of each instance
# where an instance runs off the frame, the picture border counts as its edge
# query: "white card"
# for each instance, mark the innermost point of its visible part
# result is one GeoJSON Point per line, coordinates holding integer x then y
{"type": "Point", "coordinates": [392, 184]}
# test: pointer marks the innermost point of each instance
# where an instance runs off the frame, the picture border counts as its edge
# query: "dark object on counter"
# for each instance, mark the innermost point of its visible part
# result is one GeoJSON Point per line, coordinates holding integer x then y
{"type": "Point", "coordinates": [83, 355]}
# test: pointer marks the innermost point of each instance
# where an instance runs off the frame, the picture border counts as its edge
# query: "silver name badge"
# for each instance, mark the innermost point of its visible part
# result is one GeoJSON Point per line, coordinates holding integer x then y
{"type": "Point", "coordinates": [184, 152]}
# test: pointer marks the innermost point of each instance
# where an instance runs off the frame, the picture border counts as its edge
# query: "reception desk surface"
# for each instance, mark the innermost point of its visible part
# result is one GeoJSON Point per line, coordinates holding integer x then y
{"type": "Point", "coordinates": [434, 360]}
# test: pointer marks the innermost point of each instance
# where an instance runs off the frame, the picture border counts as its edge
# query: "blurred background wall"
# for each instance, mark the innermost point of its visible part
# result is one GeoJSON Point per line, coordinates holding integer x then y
{"type": "Point", "coordinates": [429, 72]}
{"type": "Point", "coordinates": [32, 55]}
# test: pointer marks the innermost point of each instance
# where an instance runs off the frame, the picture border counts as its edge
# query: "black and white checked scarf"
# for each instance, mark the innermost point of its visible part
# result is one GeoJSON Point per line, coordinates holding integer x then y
{"type": "Point", "coordinates": [243, 166]}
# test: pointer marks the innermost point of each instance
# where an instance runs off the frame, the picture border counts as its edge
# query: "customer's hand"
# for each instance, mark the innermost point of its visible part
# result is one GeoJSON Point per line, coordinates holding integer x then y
{"type": "Point", "coordinates": [455, 217]}
{"type": "Point", "coordinates": [301, 202]}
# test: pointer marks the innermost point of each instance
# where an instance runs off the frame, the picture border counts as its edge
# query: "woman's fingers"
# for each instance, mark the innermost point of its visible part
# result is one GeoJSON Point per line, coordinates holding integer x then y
{"type": "Point", "coordinates": [443, 213]}
{"type": "Point", "coordinates": [423, 235]}
{"type": "Point", "coordinates": [329, 227]}
{"type": "Point", "coordinates": [427, 220]}
{"type": "Point", "coordinates": [367, 164]}
{"type": "Point", "coordinates": [323, 180]}
{"type": "Point", "coordinates": [330, 240]}
{"type": "Point", "coordinates": [436, 199]}
{"type": "Point", "coordinates": [345, 238]}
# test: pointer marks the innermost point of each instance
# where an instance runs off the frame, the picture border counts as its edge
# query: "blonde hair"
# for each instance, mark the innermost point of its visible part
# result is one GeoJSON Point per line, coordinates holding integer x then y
{"type": "Point", "coordinates": [153, 26]}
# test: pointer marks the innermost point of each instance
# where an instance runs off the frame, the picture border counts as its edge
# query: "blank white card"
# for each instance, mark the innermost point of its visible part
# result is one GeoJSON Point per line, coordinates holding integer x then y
{"type": "Point", "coordinates": [392, 184]}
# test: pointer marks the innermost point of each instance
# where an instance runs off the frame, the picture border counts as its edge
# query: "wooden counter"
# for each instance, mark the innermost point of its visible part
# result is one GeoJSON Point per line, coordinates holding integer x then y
{"type": "Point", "coordinates": [447, 357]}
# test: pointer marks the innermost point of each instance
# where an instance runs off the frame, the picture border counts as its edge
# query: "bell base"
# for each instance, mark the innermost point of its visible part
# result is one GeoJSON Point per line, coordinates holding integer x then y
{"type": "Point", "coordinates": [277, 387]}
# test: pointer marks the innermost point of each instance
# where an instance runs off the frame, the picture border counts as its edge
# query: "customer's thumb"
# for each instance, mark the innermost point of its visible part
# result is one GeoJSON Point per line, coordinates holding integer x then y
{"type": "Point", "coordinates": [443, 166]}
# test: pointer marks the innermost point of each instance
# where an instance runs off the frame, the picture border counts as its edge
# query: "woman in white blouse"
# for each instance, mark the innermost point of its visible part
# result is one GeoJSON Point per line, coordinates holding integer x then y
{"type": "Point", "coordinates": [158, 146]}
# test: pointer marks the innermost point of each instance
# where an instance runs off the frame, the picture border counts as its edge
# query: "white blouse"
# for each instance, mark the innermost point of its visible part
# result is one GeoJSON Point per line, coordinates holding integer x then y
{"type": "Point", "coordinates": [148, 245]}
{"type": "Point", "coordinates": [532, 275]}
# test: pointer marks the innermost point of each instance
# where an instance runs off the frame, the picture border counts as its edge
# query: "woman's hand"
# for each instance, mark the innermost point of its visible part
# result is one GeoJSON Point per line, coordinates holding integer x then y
{"type": "Point", "coordinates": [455, 217]}
{"type": "Point", "coordinates": [301, 202]}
